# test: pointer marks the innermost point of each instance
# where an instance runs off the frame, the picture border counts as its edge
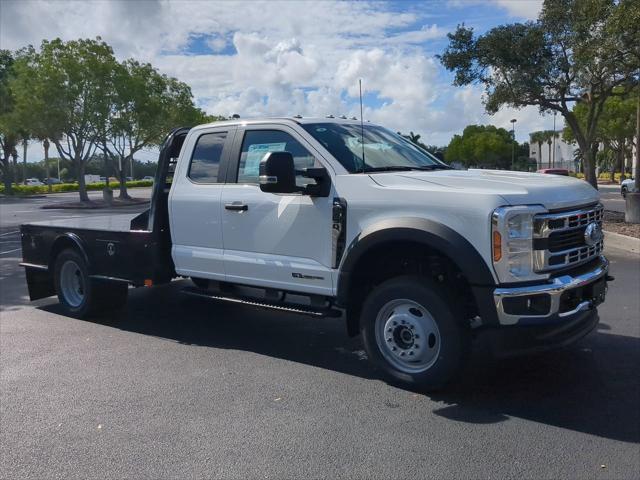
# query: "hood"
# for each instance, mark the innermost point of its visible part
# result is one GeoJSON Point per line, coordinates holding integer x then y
{"type": "Point", "coordinates": [516, 188]}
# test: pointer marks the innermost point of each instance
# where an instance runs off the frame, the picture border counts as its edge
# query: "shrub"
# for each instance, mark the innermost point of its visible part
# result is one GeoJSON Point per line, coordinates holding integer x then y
{"type": "Point", "coordinates": [71, 187]}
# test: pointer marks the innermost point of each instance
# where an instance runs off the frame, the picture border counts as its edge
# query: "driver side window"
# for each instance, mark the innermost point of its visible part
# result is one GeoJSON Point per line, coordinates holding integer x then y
{"type": "Point", "coordinates": [257, 143]}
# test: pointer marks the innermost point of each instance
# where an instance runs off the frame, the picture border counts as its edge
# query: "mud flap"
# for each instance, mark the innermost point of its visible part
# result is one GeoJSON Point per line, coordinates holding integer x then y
{"type": "Point", "coordinates": [40, 283]}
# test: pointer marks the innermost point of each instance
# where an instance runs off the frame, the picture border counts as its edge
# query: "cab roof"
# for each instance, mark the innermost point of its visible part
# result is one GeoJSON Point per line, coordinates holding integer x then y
{"type": "Point", "coordinates": [284, 120]}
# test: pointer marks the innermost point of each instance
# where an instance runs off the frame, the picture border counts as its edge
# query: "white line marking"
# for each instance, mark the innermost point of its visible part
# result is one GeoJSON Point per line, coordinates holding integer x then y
{"type": "Point", "coordinates": [10, 251]}
{"type": "Point", "coordinates": [8, 233]}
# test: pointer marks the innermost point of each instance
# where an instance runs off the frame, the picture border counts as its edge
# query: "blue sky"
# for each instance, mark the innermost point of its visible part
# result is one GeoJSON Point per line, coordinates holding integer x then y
{"type": "Point", "coordinates": [285, 57]}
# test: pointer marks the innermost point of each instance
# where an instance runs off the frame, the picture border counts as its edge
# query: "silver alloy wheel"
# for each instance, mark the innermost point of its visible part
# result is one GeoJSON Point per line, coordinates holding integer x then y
{"type": "Point", "coordinates": [72, 284]}
{"type": "Point", "coordinates": [407, 336]}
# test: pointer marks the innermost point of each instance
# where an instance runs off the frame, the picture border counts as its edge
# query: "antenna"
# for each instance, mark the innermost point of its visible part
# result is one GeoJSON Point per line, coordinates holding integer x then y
{"type": "Point", "coordinates": [361, 125]}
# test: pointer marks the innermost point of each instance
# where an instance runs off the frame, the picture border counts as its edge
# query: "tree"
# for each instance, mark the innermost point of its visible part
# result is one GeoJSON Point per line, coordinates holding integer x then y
{"type": "Point", "coordinates": [481, 145]}
{"type": "Point", "coordinates": [9, 135]}
{"type": "Point", "coordinates": [538, 139]}
{"type": "Point", "coordinates": [616, 129]}
{"type": "Point", "coordinates": [145, 106]}
{"type": "Point", "coordinates": [64, 88]}
{"type": "Point", "coordinates": [578, 51]}
{"type": "Point", "coordinates": [541, 137]}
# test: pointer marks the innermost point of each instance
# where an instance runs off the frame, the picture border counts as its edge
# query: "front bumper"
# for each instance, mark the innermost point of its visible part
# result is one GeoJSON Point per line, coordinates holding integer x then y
{"type": "Point", "coordinates": [561, 300]}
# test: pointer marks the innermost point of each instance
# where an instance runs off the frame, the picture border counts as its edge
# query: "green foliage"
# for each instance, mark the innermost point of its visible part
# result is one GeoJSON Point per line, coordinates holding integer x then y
{"type": "Point", "coordinates": [71, 187]}
{"type": "Point", "coordinates": [78, 96]}
{"type": "Point", "coordinates": [577, 51]}
{"type": "Point", "coordinates": [617, 120]}
{"type": "Point", "coordinates": [63, 91]}
{"type": "Point", "coordinates": [9, 130]}
{"type": "Point", "coordinates": [483, 146]}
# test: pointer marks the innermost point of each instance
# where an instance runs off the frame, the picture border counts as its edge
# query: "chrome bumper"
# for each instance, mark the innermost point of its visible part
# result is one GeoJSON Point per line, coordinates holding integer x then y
{"type": "Point", "coordinates": [555, 288]}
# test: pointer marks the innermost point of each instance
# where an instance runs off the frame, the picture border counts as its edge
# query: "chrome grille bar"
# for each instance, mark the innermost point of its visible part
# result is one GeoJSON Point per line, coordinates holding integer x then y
{"type": "Point", "coordinates": [569, 228]}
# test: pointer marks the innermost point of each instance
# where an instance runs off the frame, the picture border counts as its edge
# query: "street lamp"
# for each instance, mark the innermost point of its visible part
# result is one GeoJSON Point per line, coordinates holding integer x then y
{"type": "Point", "coordinates": [554, 139]}
{"type": "Point", "coordinates": [513, 145]}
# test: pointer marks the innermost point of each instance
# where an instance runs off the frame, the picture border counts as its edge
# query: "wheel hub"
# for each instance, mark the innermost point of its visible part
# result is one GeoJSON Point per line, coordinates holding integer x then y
{"type": "Point", "coordinates": [408, 336]}
{"type": "Point", "coordinates": [72, 283]}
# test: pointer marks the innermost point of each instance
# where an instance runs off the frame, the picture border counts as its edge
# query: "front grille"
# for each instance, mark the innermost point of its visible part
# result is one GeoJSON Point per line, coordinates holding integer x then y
{"type": "Point", "coordinates": [559, 241]}
{"type": "Point", "coordinates": [559, 238]}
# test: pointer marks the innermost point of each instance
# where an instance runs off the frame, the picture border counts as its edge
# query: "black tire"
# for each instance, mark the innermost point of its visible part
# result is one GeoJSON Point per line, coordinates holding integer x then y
{"type": "Point", "coordinates": [624, 192]}
{"type": "Point", "coordinates": [454, 337]}
{"type": "Point", "coordinates": [93, 295]}
{"type": "Point", "coordinates": [202, 283]}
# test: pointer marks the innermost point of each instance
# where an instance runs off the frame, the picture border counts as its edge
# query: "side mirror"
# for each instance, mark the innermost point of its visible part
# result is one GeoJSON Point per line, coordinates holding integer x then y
{"type": "Point", "coordinates": [278, 173]}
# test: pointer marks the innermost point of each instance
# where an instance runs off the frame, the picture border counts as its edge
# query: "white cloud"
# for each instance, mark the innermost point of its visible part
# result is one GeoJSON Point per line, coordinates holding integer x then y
{"type": "Point", "coordinates": [279, 58]}
{"type": "Point", "coordinates": [528, 9]}
{"type": "Point", "coordinates": [524, 9]}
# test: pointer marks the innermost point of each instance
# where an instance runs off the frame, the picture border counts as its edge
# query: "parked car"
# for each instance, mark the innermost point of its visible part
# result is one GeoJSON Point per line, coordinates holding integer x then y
{"type": "Point", "coordinates": [555, 171]}
{"type": "Point", "coordinates": [147, 178]}
{"type": "Point", "coordinates": [628, 185]}
{"type": "Point", "coordinates": [327, 217]}
{"type": "Point", "coordinates": [52, 181]}
{"type": "Point", "coordinates": [33, 182]}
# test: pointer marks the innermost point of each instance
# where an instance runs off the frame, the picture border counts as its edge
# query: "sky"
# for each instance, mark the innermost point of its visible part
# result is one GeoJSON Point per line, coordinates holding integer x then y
{"type": "Point", "coordinates": [276, 58]}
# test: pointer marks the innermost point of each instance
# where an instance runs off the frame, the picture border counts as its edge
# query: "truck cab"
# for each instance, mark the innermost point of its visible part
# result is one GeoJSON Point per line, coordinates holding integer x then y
{"type": "Point", "coordinates": [345, 218]}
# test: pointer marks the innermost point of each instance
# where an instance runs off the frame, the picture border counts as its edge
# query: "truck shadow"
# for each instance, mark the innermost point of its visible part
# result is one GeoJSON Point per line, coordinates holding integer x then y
{"type": "Point", "coordinates": [592, 387]}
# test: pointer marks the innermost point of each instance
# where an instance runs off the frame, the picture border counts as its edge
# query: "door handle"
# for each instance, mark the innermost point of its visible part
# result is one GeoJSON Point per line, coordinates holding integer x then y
{"type": "Point", "coordinates": [236, 207]}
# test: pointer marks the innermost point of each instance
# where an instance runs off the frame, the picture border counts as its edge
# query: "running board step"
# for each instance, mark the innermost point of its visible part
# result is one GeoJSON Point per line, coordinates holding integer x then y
{"type": "Point", "coordinates": [299, 309]}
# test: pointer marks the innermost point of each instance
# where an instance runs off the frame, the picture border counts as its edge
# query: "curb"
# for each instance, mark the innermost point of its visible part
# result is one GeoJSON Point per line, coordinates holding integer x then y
{"type": "Point", "coordinates": [624, 242]}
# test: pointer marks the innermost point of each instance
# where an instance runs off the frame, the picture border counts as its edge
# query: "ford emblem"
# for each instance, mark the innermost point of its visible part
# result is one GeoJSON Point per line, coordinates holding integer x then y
{"type": "Point", "coordinates": [593, 234]}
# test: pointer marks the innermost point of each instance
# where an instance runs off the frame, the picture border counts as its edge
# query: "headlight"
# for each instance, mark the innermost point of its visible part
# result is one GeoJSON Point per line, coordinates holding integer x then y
{"type": "Point", "coordinates": [512, 243]}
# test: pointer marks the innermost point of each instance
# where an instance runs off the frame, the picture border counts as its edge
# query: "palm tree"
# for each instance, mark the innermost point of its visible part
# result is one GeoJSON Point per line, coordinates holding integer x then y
{"type": "Point", "coordinates": [25, 144]}
{"type": "Point", "coordinates": [45, 145]}
{"type": "Point", "coordinates": [538, 138]}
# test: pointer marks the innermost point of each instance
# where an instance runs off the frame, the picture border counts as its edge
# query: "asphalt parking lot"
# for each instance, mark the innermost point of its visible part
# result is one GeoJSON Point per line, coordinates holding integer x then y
{"type": "Point", "coordinates": [176, 387]}
{"type": "Point", "coordinates": [612, 198]}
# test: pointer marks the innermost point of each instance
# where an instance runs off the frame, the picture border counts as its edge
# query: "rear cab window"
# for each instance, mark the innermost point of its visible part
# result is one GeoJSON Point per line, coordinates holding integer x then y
{"type": "Point", "coordinates": [205, 161]}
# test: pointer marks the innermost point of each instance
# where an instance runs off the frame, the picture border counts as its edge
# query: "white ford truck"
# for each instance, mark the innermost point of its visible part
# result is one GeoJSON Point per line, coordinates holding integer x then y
{"type": "Point", "coordinates": [332, 217]}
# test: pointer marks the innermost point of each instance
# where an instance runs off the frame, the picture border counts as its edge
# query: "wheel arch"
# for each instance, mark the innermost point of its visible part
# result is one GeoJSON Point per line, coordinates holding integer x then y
{"type": "Point", "coordinates": [64, 241]}
{"type": "Point", "coordinates": [434, 236]}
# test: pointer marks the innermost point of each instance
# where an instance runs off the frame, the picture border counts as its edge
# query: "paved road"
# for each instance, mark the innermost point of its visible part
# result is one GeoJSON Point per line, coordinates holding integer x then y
{"type": "Point", "coordinates": [611, 197]}
{"type": "Point", "coordinates": [176, 387]}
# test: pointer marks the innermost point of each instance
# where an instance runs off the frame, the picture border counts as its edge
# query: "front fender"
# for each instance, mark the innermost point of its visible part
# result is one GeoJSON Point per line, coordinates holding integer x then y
{"type": "Point", "coordinates": [433, 235]}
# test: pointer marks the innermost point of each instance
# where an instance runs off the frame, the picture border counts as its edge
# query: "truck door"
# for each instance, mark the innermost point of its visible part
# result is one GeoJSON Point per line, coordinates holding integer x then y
{"type": "Point", "coordinates": [194, 203]}
{"type": "Point", "coordinates": [281, 241]}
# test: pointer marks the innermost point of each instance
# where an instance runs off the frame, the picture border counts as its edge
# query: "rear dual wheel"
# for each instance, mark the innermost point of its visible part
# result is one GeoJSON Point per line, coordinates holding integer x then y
{"type": "Point", "coordinates": [413, 333]}
{"type": "Point", "coordinates": [78, 293]}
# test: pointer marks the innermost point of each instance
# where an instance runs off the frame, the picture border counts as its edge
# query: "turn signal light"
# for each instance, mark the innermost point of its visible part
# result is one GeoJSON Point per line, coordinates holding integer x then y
{"type": "Point", "coordinates": [497, 246]}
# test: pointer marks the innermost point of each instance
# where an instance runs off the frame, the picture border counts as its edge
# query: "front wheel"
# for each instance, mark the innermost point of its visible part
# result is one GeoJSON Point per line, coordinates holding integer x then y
{"type": "Point", "coordinates": [624, 192]}
{"type": "Point", "coordinates": [413, 334]}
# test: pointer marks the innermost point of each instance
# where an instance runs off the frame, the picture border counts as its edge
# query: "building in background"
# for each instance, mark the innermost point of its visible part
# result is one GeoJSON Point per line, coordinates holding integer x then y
{"type": "Point", "coordinates": [542, 146]}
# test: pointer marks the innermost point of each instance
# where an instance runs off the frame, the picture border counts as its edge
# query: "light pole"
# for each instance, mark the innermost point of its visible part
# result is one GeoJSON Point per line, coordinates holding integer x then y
{"type": "Point", "coordinates": [554, 139]}
{"type": "Point", "coordinates": [513, 145]}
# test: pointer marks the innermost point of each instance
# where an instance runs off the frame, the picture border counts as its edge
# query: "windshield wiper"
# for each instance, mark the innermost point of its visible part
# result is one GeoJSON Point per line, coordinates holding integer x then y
{"type": "Point", "coordinates": [434, 167]}
{"type": "Point", "coordinates": [389, 168]}
{"type": "Point", "coordinates": [406, 168]}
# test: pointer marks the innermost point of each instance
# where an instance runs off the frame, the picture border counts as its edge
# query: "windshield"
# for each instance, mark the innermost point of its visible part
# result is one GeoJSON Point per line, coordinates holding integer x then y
{"type": "Point", "coordinates": [383, 150]}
